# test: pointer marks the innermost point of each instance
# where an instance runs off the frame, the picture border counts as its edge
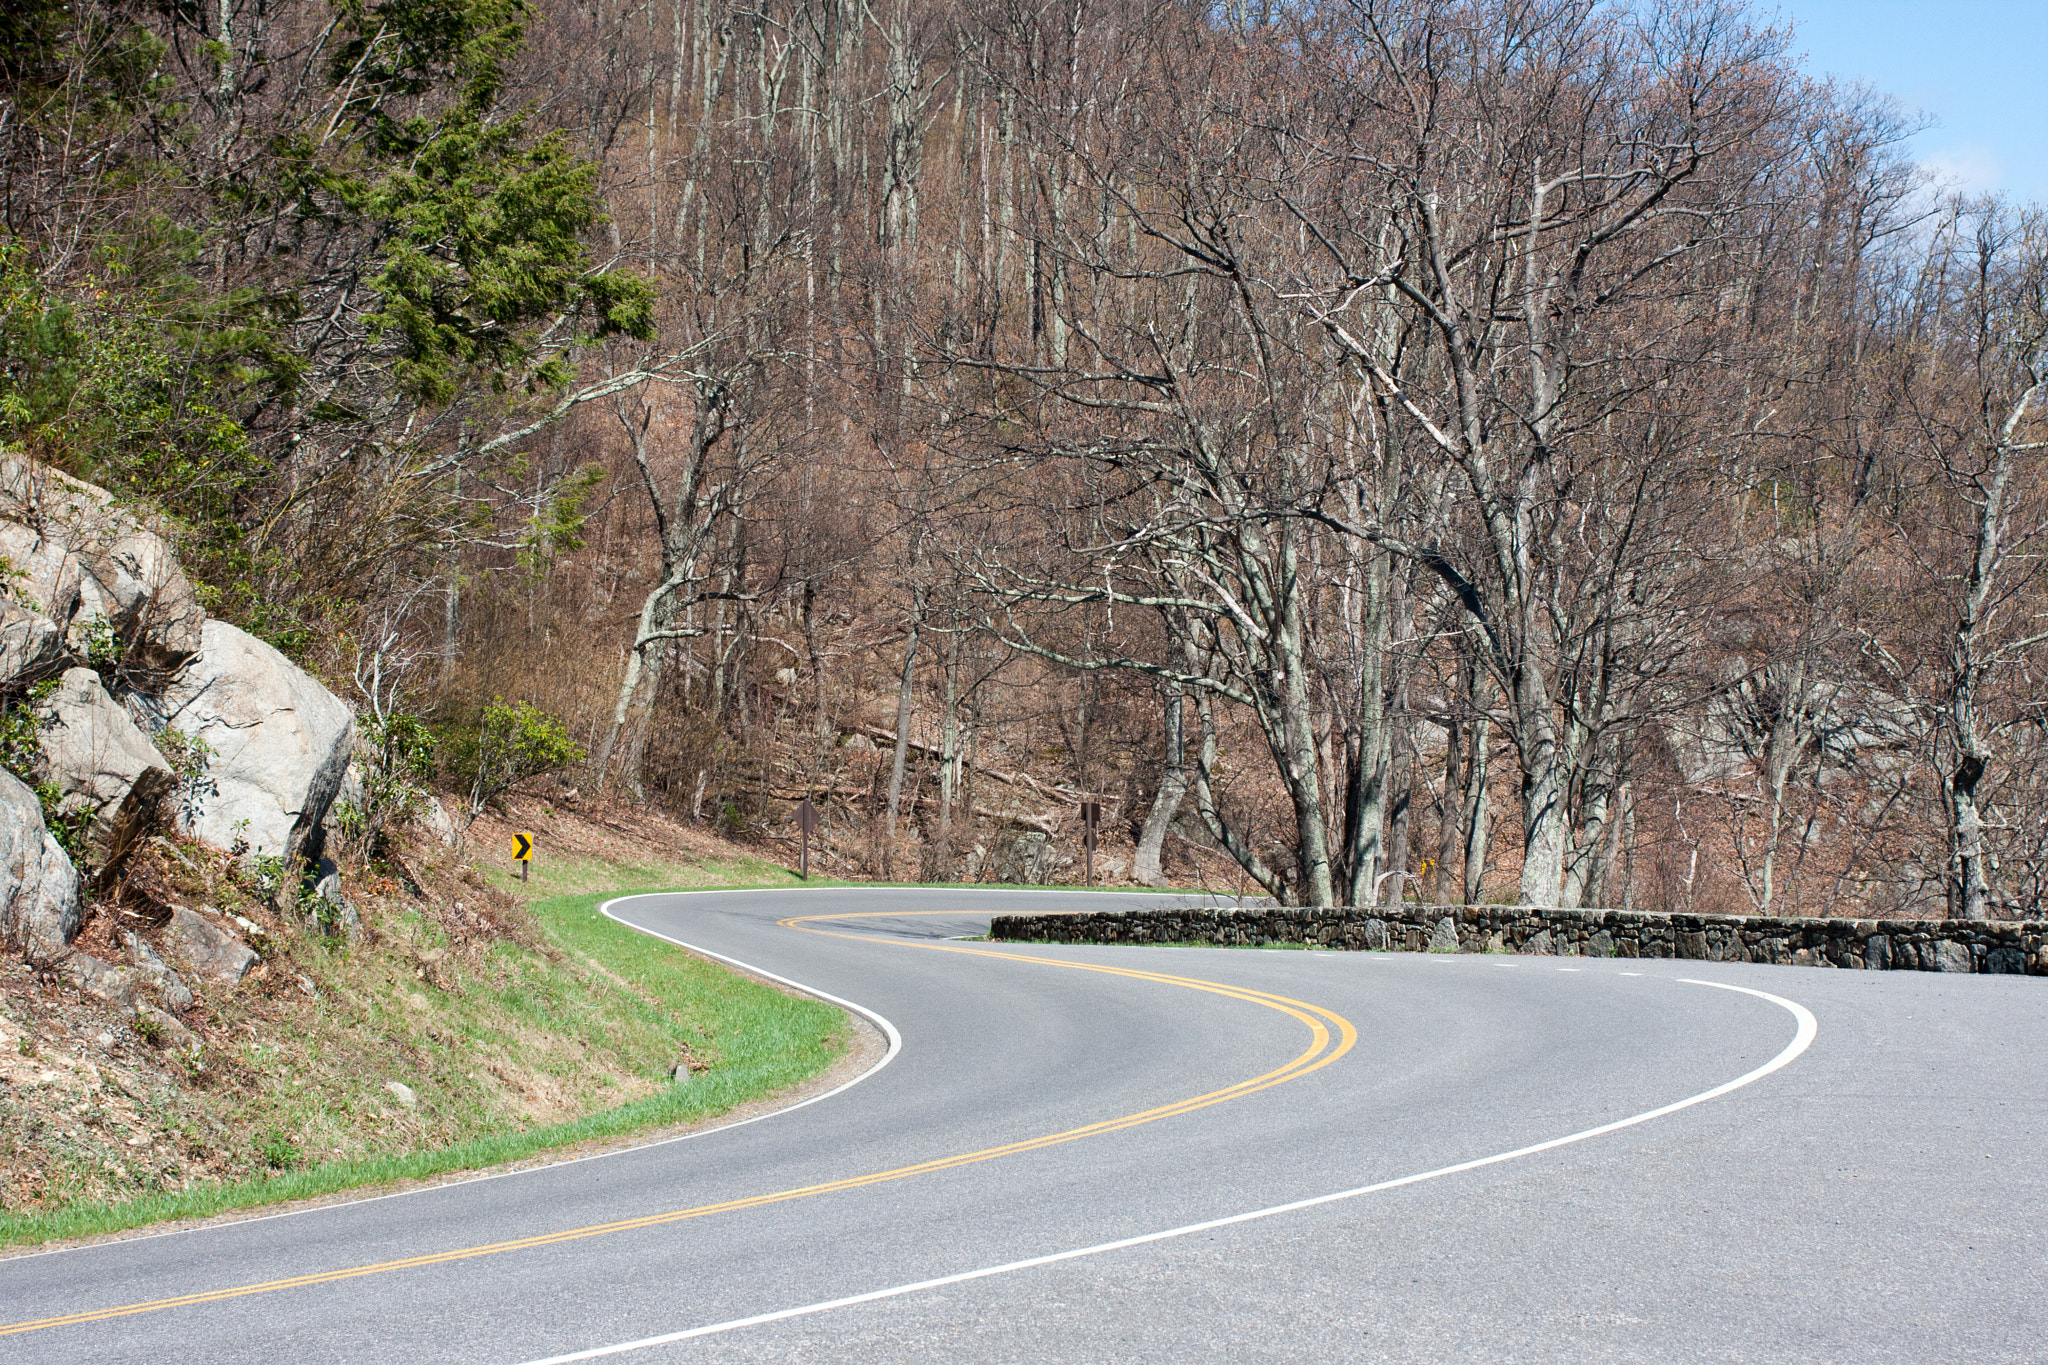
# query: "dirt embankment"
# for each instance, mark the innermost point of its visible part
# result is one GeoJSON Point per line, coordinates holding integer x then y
{"type": "Point", "coordinates": [455, 1013]}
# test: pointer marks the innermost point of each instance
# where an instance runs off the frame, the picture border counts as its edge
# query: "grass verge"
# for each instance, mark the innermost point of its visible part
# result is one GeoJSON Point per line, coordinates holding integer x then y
{"type": "Point", "coordinates": [605, 991]}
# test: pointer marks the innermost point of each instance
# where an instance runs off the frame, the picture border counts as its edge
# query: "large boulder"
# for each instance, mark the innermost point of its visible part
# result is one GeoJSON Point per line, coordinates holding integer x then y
{"type": "Point", "coordinates": [83, 557]}
{"type": "Point", "coordinates": [1026, 856]}
{"type": "Point", "coordinates": [279, 744]}
{"type": "Point", "coordinates": [31, 644]}
{"type": "Point", "coordinates": [99, 759]}
{"type": "Point", "coordinates": [39, 911]}
{"type": "Point", "coordinates": [133, 580]}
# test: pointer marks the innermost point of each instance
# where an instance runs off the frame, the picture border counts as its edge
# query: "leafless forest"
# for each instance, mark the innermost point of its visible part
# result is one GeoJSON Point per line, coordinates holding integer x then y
{"type": "Point", "coordinates": [1515, 450]}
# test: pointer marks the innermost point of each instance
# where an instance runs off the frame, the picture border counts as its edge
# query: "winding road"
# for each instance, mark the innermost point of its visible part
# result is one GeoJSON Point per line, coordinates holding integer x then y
{"type": "Point", "coordinates": [1160, 1154]}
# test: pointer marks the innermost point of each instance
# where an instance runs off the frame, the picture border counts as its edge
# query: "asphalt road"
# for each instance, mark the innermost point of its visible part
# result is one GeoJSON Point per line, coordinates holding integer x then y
{"type": "Point", "coordinates": [1072, 1154]}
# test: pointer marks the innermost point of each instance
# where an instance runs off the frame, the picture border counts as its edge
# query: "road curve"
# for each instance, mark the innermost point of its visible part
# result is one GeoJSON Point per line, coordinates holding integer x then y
{"type": "Point", "coordinates": [1158, 1154]}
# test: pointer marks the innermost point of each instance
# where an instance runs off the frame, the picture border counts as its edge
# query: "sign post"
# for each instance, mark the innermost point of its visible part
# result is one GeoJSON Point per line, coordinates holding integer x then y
{"type": "Point", "coordinates": [522, 853]}
{"type": "Point", "coordinates": [1091, 822]}
{"type": "Point", "coordinates": [807, 821]}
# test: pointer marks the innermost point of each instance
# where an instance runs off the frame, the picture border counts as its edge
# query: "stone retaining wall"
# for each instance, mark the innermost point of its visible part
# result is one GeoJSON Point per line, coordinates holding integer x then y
{"type": "Point", "coordinates": [2011, 946]}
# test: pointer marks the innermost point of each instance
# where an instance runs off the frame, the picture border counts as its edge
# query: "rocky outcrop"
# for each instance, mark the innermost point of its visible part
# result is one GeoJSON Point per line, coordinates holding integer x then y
{"type": "Point", "coordinates": [102, 634]}
{"type": "Point", "coordinates": [279, 743]}
{"type": "Point", "coordinates": [39, 909]}
{"type": "Point", "coordinates": [82, 558]}
{"type": "Point", "coordinates": [436, 820]}
{"type": "Point", "coordinates": [99, 759]}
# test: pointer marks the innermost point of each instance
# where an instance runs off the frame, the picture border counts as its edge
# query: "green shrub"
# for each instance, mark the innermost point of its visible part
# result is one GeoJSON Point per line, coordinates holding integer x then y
{"type": "Point", "coordinates": [505, 746]}
{"type": "Point", "coordinates": [279, 1152]}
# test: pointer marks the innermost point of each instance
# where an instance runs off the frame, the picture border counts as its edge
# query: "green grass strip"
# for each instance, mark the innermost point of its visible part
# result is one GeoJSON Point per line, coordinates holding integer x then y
{"type": "Point", "coordinates": [766, 1041]}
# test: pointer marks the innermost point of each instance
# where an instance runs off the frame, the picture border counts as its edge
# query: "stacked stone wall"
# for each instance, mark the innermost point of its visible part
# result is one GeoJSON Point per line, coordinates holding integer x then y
{"type": "Point", "coordinates": [1999, 946]}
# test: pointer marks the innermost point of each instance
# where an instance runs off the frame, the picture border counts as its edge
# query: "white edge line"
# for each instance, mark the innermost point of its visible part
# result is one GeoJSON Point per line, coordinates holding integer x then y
{"type": "Point", "coordinates": [604, 908]}
{"type": "Point", "coordinates": [895, 1043]}
{"type": "Point", "coordinates": [1801, 1040]}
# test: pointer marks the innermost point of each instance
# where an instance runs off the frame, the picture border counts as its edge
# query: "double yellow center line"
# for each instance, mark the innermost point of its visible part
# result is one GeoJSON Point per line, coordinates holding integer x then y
{"type": "Point", "coordinates": [1330, 1037]}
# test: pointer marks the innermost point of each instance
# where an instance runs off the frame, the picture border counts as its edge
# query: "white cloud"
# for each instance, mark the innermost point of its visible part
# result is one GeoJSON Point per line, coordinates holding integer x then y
{"type": "Point", "coordinates": [1966, 168]}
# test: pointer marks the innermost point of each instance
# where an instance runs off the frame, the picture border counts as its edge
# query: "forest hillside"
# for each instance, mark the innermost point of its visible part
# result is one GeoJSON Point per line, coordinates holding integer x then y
{"type": "Point", "coordinates": [1548, 451]}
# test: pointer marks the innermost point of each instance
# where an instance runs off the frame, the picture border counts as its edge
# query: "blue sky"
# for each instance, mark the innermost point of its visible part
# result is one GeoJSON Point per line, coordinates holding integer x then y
{"type": "Point", "coordinates": [1978, 66]}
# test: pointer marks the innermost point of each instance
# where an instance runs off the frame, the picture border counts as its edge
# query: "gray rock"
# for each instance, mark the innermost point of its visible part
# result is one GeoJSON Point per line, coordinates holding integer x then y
{"type": "Point", "coordinates": [1539, 944]}
{"type": "Point", "coordinates": [98, 758]}
{"type": "Point", "coordinates": [1601, 945]}
{"type": "Point", "coordinates": [120, 569]}
{"type": "Point", "coordinates": [350, 792]}
{"type": "Point", "coordinates": [1877, 953]}
{"type": "Point", "coordinates": [163, 1030]}
{"type": "Point", "coordinates": [45, 573]}
{"type": "Point", "coordinates": [1025, 856]}
{"type": "Point", "coordinates": [434, 817]}
{"type": "Point", "coordinates": [280, 743]}
{"type": "Point", "coordinates": [1445, 938]}
{"type": "Point", "coordinates": [206, 948]}
{"type": "Point", "coordinates": [31, 645]}
{"type": "Point", "coordinates": [169, 986]}
{"type": "Point", "coordinates": [1693, 945]}
{"type": "Point", "coordinates": [2006, 960]}
{"type": "Point", "coordinates": [39, 909]}
{"type": "Point", "coordinates": [1376, 935]}
{"type": "Point", "coordinates": [1952, 957]}
{"type": "Point", "coordinates": [403, 1093]}
{"type": "Point", "coordinates": [115, 985]}
{"type": "Point", "coordinates": [133, 580]}
{"type": "Point", "coordinates": [327, 886]}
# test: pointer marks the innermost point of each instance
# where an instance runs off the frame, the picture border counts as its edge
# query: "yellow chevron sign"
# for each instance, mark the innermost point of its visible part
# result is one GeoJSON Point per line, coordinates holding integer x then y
{"type": "Point", "coordinates": [522, 848]}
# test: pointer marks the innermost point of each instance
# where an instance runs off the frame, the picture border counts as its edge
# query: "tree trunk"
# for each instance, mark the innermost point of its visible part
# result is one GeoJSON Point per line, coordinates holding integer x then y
{"type": "Point", "coordinates": [1628, 847]}
{"type": "Point", "coordinates": [905, 696]}
{"type": "Point", "coordinates": [1448, 810]}
{"type": "Point", "coordinates": [938, 856]}
{"type": "Point", "coordinates": [1968, 661]}
{"type": "Point", "coordinates": [1476, 819]}
{"type": "Point", "coordinates": [451, 630]}
{"type": "Point", "coordinates": [1400, 782]}
{"type": "Point", "coordinates": [654, 618]}
{"type": "Point", "coordinates": [1219, 829]}
{"type": "Point", "coordinates": [814, 646]}
{"type": "Point", "coordinates": [1544, 827]}
{"type": "Point", "coordinates": [1173, 789]}
{"type": "Point", "coordinates": [632, 765]}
